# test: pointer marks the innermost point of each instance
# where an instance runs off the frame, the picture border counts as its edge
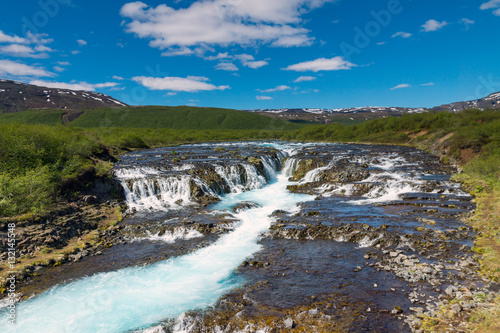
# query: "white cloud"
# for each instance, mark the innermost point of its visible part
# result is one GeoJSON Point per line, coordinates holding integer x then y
{"type": "Point", "coordinates": [278, 88]}
{"type": "Point", "coordinates": [490, 4]}
{"type": "Point", "coordinates": [248, 60]}
{"type": "Point", "coordinates": [497, 12]}
{"type": "Point", "coordinates": [427, 84]}
{"type": "Point", "coordinates": [13, 68]}
{"type": "Point", "coordinates": [81, 42]}
{"type": "Point", "coordinates": [33, 46]}
{"type": "Point", "coordinates": [105, 85]}
{"type": "Point", "coordinates": [22, 51]}
{"type": "Point", "coordinates": [467, 22]}
{"type": "Point", "coordinates": [116, 77]}
{"type": "Point", "coordinates": [221, 22]}
{"type": "Point", "coordinates": [263, 98]}
{"type": "Point", "coordinates": [304, 78]}
{"type": "Point", "coordinates": [59, 69]}
{"type": "Point", "coordinates": [177, 52]}
{"type": "Point", "coordinates": [322, 64]}
{"type": "Point", "coordinates": [189, 84]}
{"type": "Point", "coordinates": [401, 86]}
{"type": "Point", "coordinates": [433, 25]}
{"type": "Point", "coordinates": [219, 56]}
{"type": "Point", "coordinates": [402, 34]}
{"type": "Point", "coordinates": [75, 52]}
{"type": "Point", "coordinates": [381, 43]}
{"type": "Point", "coordinates": [73, 85]}
{"type": "Point", "coordinates": [63, 63]}
{"type": "Point", "coordinates": [4, 38]}
{"type": "Point", "coordinates": [226, 66]}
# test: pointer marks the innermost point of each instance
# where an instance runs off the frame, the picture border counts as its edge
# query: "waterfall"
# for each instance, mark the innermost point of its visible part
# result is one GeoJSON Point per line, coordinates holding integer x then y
{"type": "Point", "coordinates": [161, 189]}
{"type": "Point", "coordinates": [157, 193]}
{"type": "Point", "coordinates": [291, 165]}
{"type": "Point", "coordinates": [232, 177]}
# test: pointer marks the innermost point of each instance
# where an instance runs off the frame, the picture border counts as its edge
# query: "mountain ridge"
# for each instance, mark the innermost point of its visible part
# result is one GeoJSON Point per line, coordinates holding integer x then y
{"type": "Point", "coordinates": [17, 96]}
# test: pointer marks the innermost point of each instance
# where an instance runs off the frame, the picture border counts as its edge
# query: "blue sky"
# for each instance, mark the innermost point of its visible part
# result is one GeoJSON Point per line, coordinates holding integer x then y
{"type": "Point", "coordinates": [247, 54]}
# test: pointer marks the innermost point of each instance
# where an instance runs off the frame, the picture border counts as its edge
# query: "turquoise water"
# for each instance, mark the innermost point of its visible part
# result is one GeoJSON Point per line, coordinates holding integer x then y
{"type": "Point", "coordinates": [139, 297]}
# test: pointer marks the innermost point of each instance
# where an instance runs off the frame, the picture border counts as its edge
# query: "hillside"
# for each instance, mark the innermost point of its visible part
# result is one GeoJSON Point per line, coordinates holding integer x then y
{"type": "Point", "coordinates": [491, 101]}
{"type": "Point", "coordinates": [155, 117]}
{"type": "Point", "coordinates": [16, 96]}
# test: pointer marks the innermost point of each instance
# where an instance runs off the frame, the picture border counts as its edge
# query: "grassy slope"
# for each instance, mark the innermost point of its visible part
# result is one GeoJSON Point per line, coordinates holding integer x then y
{"type": "Point", "coordinates": [156, 117]}
{"type": "Point", "coordinates": [182, 117]}
{"type": "Point", "coordinates": [43, 117]}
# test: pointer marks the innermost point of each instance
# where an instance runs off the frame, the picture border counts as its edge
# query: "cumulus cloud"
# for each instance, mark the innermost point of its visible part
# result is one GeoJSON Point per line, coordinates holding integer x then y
{"type": "Point", "coordinates": [13, 68]}
{"type": "Point", "coordinates": [278, 88]}
{"type": "Point", "coordinates": [226, 66]}
{"type": "Point", "coordinates": [116, 77]}
{"type": "Point", "coordinates": [322, 64]}
{"type": "Point", "coordinates": [401, 86]}
{"type": "Point", "coordinates": [4, 38]}
{"type": "Point", "coordinates": [59, 69]}
{"type": "Point", "coordinates": [73, 85]}
{"type": "Point", "coordinates": [433, 25]}
{"type": "Point", "coordinates": [263, 98]}
{"type": "Point", "coordinates": [81, 42]}
{"type": "Point", "coordinates": [402, 34]}
{"type": "Point", "coordinates": [427, 84]}
{"type": "Point", "coordinates": [32, 46]}
{"type": "Point", "coordinates": [492, 4]}
{"type": "Point", "coordinates": [248, 60]}
{"type": "Point", "coordinates": [221, 22]}
{"type": "Point", "coordinates": [21, 51]}
{"type": "Point", "coordinates": [189, 84]}
{"type": "Point", "coordinates": [304, 78]}
{"type": "Point", "coordinates": [219, 56]}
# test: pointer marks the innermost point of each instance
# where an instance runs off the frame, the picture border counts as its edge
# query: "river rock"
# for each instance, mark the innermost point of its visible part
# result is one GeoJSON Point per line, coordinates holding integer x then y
{"type": "Point", "coordinates": [289, 324]}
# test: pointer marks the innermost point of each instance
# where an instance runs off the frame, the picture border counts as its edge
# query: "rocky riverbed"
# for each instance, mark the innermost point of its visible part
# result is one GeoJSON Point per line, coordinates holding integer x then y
{"type": "Point", "coordinates": [380, 246]}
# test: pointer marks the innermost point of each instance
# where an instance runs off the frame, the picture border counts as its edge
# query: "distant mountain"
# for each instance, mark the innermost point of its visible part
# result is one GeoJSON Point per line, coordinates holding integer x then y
{"type": "Point", "coordinates": [490, 102]}
{"type": "Point", "coordinates": [366, 109]}
{"type": "Point", "coordinates": [360, 114]}
{"type": "Point", "coordinates": [16, 96]}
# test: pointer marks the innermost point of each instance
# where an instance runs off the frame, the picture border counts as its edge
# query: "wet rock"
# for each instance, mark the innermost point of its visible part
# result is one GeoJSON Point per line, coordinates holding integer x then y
{"type": "Point", "coordinates": [244, 205]}
{"type": "Point", "coordinates": [397, 309]}
{"type": "Point", "coordinates": [451, 290]}
{"type": "Point", "coordinates": [90, 199]}
{"type": "Point", "coordinates": [289, 323]}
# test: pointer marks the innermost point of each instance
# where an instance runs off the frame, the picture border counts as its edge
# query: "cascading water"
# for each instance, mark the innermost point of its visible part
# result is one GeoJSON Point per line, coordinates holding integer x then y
{"type": "Point", "coordinates": [168, 186]}
{"type": "Point", "coordinates": [139, 297]}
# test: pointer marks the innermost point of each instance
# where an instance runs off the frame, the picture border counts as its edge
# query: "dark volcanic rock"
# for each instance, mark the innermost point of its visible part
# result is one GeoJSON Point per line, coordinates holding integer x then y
{"type": "Point", "coordinates": [16, 96]}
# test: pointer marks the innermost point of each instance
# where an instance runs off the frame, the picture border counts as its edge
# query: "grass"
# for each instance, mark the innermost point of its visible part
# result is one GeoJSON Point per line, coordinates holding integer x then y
{"type": "Point", "coordinates": [181, 117]}
{"type": "Point", "coordinates": [42, 117]}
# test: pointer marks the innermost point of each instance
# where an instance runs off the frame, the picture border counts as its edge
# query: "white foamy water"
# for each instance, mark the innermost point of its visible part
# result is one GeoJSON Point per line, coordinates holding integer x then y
{"type": "Point", "coordinates": [140, 297]}
{"type": "Point", "coordinates": [171, 237]}
{"type": "Point", "coordinates": [157, 193]}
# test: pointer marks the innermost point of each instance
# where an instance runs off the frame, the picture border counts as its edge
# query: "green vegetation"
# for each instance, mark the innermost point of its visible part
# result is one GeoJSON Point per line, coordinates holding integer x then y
{"type": "Point", "coordinates": [155, 117]}
{"type": "Point", "coordinates": [43, 117]}
{"type": "Point", "coordinates": [37, 162]}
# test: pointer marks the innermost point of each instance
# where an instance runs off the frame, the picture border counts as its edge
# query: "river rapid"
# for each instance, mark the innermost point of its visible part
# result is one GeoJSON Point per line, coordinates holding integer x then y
{"type": "Point", "coordinates": [258, 236]}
